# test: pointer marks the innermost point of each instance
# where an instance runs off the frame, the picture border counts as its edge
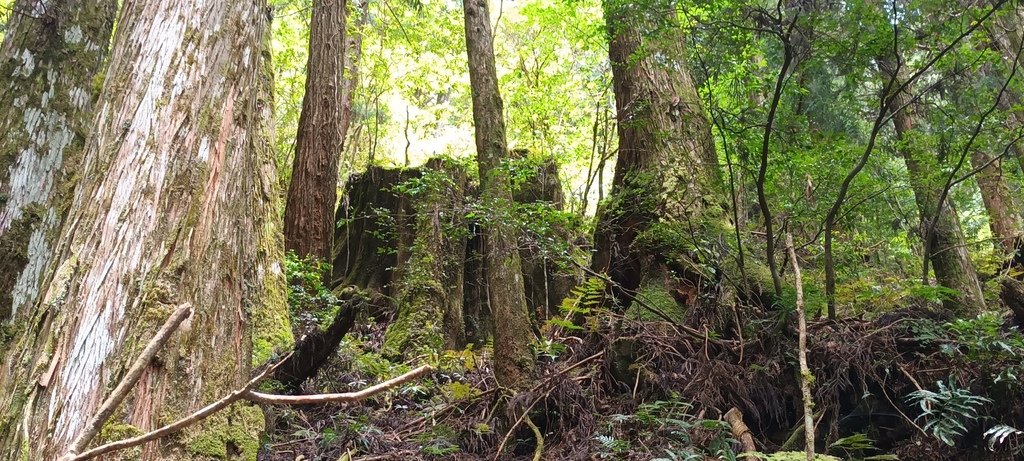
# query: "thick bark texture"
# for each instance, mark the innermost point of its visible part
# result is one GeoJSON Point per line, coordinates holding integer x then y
{"type": "Point", "coordinates": [666, 178]}
{"type": "Point", "coordinates": [52, 53]}
{"type": "Point", "coordinates": [1003, 212]}
{"type": "Point", "coordinates": [944, 243]}
{"type": "Point", "coordinates": [309, 214]}
{"type": "Point", "coordinates": [372, 228]}
{"type": "Point", "coordinates": [176, 204]}
{"type": "Point", "coordinates": [430, 289]}
{"type": "Point", "coordinates": [513, 358]}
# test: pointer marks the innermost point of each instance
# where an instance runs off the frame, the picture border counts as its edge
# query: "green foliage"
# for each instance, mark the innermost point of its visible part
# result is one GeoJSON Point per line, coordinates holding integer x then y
{"type": "Point", "coordinates": [669, 423]}
{"type": "Point", "coordinates": [998, 434]}
{"type": "Point", "coordinates": [948, 411]}
{"type": "Point", "coordinates": [309, 300]}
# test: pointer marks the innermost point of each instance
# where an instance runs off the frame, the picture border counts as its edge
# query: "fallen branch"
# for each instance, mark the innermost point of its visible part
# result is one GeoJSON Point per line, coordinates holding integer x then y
{"type": "Point", "coordinates": [272, 399]}
{"type": "Point", "coordinates": [805, 372]}
{"type": "Point", "coordinates": [180, 424]}
{"type": "Point", "coordinates": [119, 393]}
{"type": "Point", "coordinates": [740, 431]}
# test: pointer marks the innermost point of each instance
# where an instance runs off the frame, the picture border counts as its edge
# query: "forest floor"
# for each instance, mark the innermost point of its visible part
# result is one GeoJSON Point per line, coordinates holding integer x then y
{"type": "Point", "coordinates": [651, 390]}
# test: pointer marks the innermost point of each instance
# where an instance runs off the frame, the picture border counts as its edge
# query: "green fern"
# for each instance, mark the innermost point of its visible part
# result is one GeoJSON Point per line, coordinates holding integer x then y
{"type": "Point", "coordinates": [948, 411]}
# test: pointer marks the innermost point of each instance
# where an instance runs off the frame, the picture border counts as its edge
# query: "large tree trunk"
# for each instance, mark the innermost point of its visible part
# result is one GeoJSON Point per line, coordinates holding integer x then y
{"type": "Point", "coordinates": [430, 289]}
{"type": "Point", "coordinates": [309, 214]}
{"type": "Point", "coordinates": [944, 242]}
{"type": "Point", "coordinates": [176, 204]}
{"type": "Point", "coordinates": [372, 228]}
{"type": "Point", "coordinates": [48, 61]}
{"type": "Point", "coordinates": [667, 180]}
{"type": "Point", "coordinates": [513, 359]}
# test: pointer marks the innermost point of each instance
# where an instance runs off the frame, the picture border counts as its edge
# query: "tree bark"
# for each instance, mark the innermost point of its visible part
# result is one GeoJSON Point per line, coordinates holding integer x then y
{"type": "Point", "coordinates": [430, 291]}
{"type": "Point", "coordinates": [175, 204]}
{"type": "Point", "coordinates": [353, 52]}
{"type": "Point", "coordinates": [313, 192]}
{"type": "Point", "coordinates": [666, 176]}
{"type": "Point", "coordinates": [1004, 217]}
{"type": "Point", "coordinates": [944, 244]}
{"type": "Point", "coordinates": [52, 53]}
{"type": "Point", "coordinates": [513, 358]}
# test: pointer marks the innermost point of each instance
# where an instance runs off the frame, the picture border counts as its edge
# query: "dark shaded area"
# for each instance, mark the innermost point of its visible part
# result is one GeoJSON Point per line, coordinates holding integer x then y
{"type": "Point", "coordinates": [371, 230]}
{"type": "Point", "coordinates": [313, 350]}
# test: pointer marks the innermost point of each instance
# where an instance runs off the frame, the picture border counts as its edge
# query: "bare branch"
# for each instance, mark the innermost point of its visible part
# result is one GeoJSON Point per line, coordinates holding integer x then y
{"type": "Point", "coordinates": [272, 399]}
{"type": "Point", "coordinates": [119, 393]}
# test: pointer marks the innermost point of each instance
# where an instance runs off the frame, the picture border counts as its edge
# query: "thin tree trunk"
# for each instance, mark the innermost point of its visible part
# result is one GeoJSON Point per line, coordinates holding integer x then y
{"type": "Point", "coordinates": [513, 359]}
{"type": "Point", "coordinates": [353, 53]}
{"type": "Point", "coordinates": [176, 204]}
{"type": "Point", "coordinates": [1005, 31]}
{"type": "Point", "coordinates": [313, 192]}
{"type": "Point", "coordinates": [48, 61]}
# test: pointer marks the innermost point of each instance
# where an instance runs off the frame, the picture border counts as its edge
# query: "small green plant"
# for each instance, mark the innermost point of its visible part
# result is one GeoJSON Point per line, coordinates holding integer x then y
{"type": "Point", "coordinates": [998, 434]}
{"type": "Point", "coordinates": [948, 411]}
{"type": "Point", "coordinates": [669, 422]}
{"type": "Point", "coordinates": [309, 300]}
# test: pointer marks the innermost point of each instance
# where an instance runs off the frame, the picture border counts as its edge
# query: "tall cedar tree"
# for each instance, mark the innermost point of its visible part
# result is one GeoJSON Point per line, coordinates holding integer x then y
{"type": "Point", "coordinates": [513, 358]}
{"type": "Point", "coordinates": [309, 213]}
{"type": "Point", "coordinates": [176, 204]}
{"type": "Point", "coordinates": [666, 176]}
{"type": "Point", "coordinates": [944, 242]}
{"type": "Point", "coordinates": [52, 53]}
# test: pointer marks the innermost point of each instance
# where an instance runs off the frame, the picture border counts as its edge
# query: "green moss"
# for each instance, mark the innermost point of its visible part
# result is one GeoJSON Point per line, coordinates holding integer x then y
{"type": "Point", "coordinates": [271, 325]}
{"type": "Point", "coordinates": [228, 434]}
{"type": "Point", "coordinates": [654, 293]}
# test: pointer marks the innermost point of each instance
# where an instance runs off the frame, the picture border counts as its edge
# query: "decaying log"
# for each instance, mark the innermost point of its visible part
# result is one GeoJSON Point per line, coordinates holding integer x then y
{"type": "Point", "coordinates": [312, 351]}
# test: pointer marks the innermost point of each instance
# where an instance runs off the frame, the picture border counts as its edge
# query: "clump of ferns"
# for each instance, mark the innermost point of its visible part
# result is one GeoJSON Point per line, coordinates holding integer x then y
{"type": "Point", "coordinates": [949, 411]}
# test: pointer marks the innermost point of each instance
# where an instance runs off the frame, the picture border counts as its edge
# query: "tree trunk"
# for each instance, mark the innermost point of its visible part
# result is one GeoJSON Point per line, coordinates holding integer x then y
{"type": "Point", "coordinates": [1003, 213]}
{"type": "Point", "coordinates": [350, 83]}
{"type": "Point", "coordinates": [666, 182]}
{"type": "Point", "coordinates": [52, 54]}
{"type": "Point", "coordinates": [1005, 32]}
{"type": "Point", "coordinates": [313, 192]}
{"type": "Point", "coordinates": [371, 229]}
{"type": "Point", "coordinates": [944, 244]}
{"type": "Point", "coordinates": [513, 359]}
{"type": "Point", "coordinates": [176, 204]}
{"type": "Point", "coordinates": [430, 292]}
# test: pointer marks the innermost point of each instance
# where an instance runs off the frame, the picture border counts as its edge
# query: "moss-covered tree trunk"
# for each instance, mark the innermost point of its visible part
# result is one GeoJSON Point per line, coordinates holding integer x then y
{"type": "Point", "coordinates": [944, 242]}
{"type": "Point", "coordinates": [51, 56]}
{"type": "Point", "coordinates": [175, 204]}
{"type": "Point", "coordinates": [430, 291]}
{"type": "Point", "coordinates": [312, 193]}
{"type": "Point", "coordinates": [1004, 216]}
{"type": "Point", "coordinates": [667, 182]}
{"type": "Point", "coordinates": [513, 358]}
